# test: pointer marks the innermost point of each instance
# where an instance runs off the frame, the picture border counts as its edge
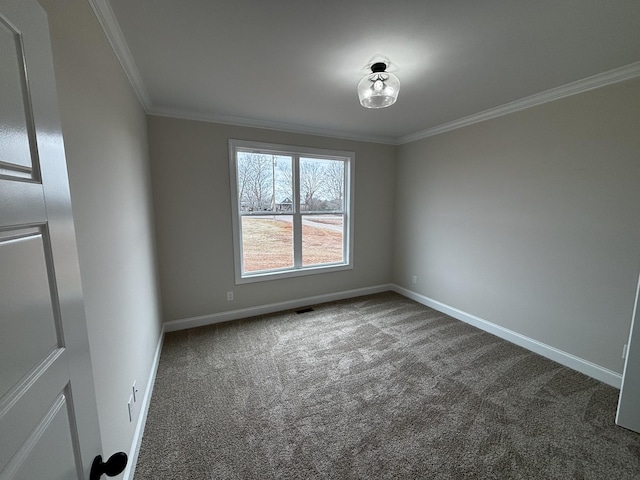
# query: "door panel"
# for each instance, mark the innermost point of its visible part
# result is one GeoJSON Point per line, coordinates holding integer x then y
{"type": "Point", "coordinates": [29, 403]}
{"type": "Point", "coordinates": [49, 448]}
{"type": "Point", "coordinates": [48, 414]}
{"type": "Point", "coordinates": [628, 415]}
{"type": "Point", "coordinates": [15, 151]}
{"type": "Point", "coordinates": [27, 311]}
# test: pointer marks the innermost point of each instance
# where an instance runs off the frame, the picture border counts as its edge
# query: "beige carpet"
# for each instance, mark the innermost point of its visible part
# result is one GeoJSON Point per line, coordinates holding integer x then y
{"type": "Point", "coordinates": [377, 387]}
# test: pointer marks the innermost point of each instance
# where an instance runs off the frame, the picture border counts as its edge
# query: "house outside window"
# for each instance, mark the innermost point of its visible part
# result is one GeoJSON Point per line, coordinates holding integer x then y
{"type": "Point", "coordinates": [292, 210]}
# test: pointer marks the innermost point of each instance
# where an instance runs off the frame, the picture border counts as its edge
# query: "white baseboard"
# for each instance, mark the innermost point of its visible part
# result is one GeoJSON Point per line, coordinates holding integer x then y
{"type": "Point", "coordinates": [144, 409]}
{"type": "Point", "coordinates": [568, 360]}
{"type": "Point", "coordinates": [203, 320]}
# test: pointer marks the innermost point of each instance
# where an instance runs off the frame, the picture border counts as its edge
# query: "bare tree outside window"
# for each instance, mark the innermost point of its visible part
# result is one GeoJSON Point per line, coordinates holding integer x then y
{"type": "Point", "coordinates": [254, 181]}
{"type": "Point", "coordinates": [334, 183]}
{"type": "Point", "coordinates": [264, 181]}
{"type": "Point", "coordinates": [321, 184]}
{"type": "Point", "coordinates": [311, 183]}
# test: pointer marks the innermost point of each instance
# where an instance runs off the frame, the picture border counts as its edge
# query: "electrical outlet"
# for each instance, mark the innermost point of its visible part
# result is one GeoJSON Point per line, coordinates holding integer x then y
{"type": "Point", "coordinates": [624, 351]}
{"type": "Point", "coordinates": [229, 296]}
{"type": "Point", "coordinates": [414, 279]}
{"type": "Point", "coordinates": [135, 392]}
{"type": "Point", "coordinates": [132, 409]}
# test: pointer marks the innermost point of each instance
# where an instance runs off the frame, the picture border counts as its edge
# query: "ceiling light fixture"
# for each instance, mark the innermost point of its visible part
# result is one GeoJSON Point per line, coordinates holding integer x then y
{"type": "Point", "coordinates": [378, 89]}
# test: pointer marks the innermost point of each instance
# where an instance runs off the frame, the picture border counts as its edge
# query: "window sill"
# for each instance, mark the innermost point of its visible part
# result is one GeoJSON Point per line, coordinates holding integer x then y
{"type": "Point", "coordinates": [282, 274]}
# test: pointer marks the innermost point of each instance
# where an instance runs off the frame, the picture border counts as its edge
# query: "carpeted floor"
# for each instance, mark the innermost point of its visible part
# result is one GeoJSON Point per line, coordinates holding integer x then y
{"type": "Point", "coordinates": [377, 387]}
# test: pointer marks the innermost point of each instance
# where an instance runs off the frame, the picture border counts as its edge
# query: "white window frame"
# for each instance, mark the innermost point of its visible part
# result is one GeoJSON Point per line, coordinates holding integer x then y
{"type": "Point", "coordinates": [296, 152]}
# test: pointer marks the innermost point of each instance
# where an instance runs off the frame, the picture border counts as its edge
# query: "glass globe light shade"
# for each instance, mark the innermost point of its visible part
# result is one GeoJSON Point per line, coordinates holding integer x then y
{"type": "Point", "coordinates": [378, 89]}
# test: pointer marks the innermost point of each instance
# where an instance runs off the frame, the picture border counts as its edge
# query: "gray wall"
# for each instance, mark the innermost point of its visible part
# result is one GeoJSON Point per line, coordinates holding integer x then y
{"type": "Point", "coordinates": [105, 136]}
{"type": "Point", "coordinates": [192, 201]}
{"type": "Point", "coordinates": [531, 220]}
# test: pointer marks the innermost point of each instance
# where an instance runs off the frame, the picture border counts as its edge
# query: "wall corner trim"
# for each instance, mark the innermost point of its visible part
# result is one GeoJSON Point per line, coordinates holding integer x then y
{"type": "Point", "coordinates": [567, 359]}
{"type": "Point", "coordinates": [144, 409]}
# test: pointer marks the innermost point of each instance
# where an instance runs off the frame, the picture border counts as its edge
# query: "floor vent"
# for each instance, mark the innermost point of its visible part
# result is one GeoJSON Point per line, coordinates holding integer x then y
{"type": "Point", "coordinates": [304, 310]}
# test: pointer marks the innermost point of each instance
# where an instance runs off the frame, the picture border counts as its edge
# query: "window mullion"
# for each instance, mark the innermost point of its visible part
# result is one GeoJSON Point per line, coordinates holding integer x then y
{"type": "Point", "coordinates": [297, 216]}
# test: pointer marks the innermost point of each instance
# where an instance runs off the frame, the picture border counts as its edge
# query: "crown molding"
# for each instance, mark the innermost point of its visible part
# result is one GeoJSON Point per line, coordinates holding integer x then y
{"type": "Point", "coordinates": [109, 24]}
{"type": "Point", "coordinates": [596, 81]}
{"type": "Point", "coordinates": [268, 125]}
{"type": "Point", "coordinates": [106, 17]}
{"type": "Point", "coordinates": [621, 74]}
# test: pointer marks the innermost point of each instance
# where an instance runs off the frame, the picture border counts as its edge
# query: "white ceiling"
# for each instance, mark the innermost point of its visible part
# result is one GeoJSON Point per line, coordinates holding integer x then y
{"type": "Point", "coordinates": [295, 64]}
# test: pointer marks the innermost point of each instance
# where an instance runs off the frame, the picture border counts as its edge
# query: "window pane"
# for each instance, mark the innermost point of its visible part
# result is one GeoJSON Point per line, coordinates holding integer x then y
{"type": "Point", "coordinates": [267, 242]}
{"type": "Point", "coordinates": [322, 239]}
{"type": "Point", "coordinates": [321, 185]}
{"type": "Point", "coordinates": [290, 210]}
{"type": "Point", "coordinates": [264, 182]}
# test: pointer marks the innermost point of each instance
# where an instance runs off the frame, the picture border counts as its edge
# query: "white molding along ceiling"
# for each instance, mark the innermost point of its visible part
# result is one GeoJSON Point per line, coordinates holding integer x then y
{"type": "Point", "coordinates": [109, 24]}
{"type": "Point", "coordinates": [600, 80]}
{"type": "Point", "coordinates": [151, 39]}
{"type": "Point", "coordinates": [268, 124]}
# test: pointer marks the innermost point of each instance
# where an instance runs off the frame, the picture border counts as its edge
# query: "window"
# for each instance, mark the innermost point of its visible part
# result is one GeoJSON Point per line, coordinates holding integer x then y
{"type": "Point", "coordinates": [292, 210]}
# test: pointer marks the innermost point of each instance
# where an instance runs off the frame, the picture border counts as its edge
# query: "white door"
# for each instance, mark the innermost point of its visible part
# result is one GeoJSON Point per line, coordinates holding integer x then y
{"type": "Point", "coordinates": [48, 417]}
{"type": "Point", "coordinates": [629, 403]}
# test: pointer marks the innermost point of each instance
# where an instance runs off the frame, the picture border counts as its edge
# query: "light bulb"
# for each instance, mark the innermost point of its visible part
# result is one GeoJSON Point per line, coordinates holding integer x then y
{"type": "Point", "coordinates": [378, 89]}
